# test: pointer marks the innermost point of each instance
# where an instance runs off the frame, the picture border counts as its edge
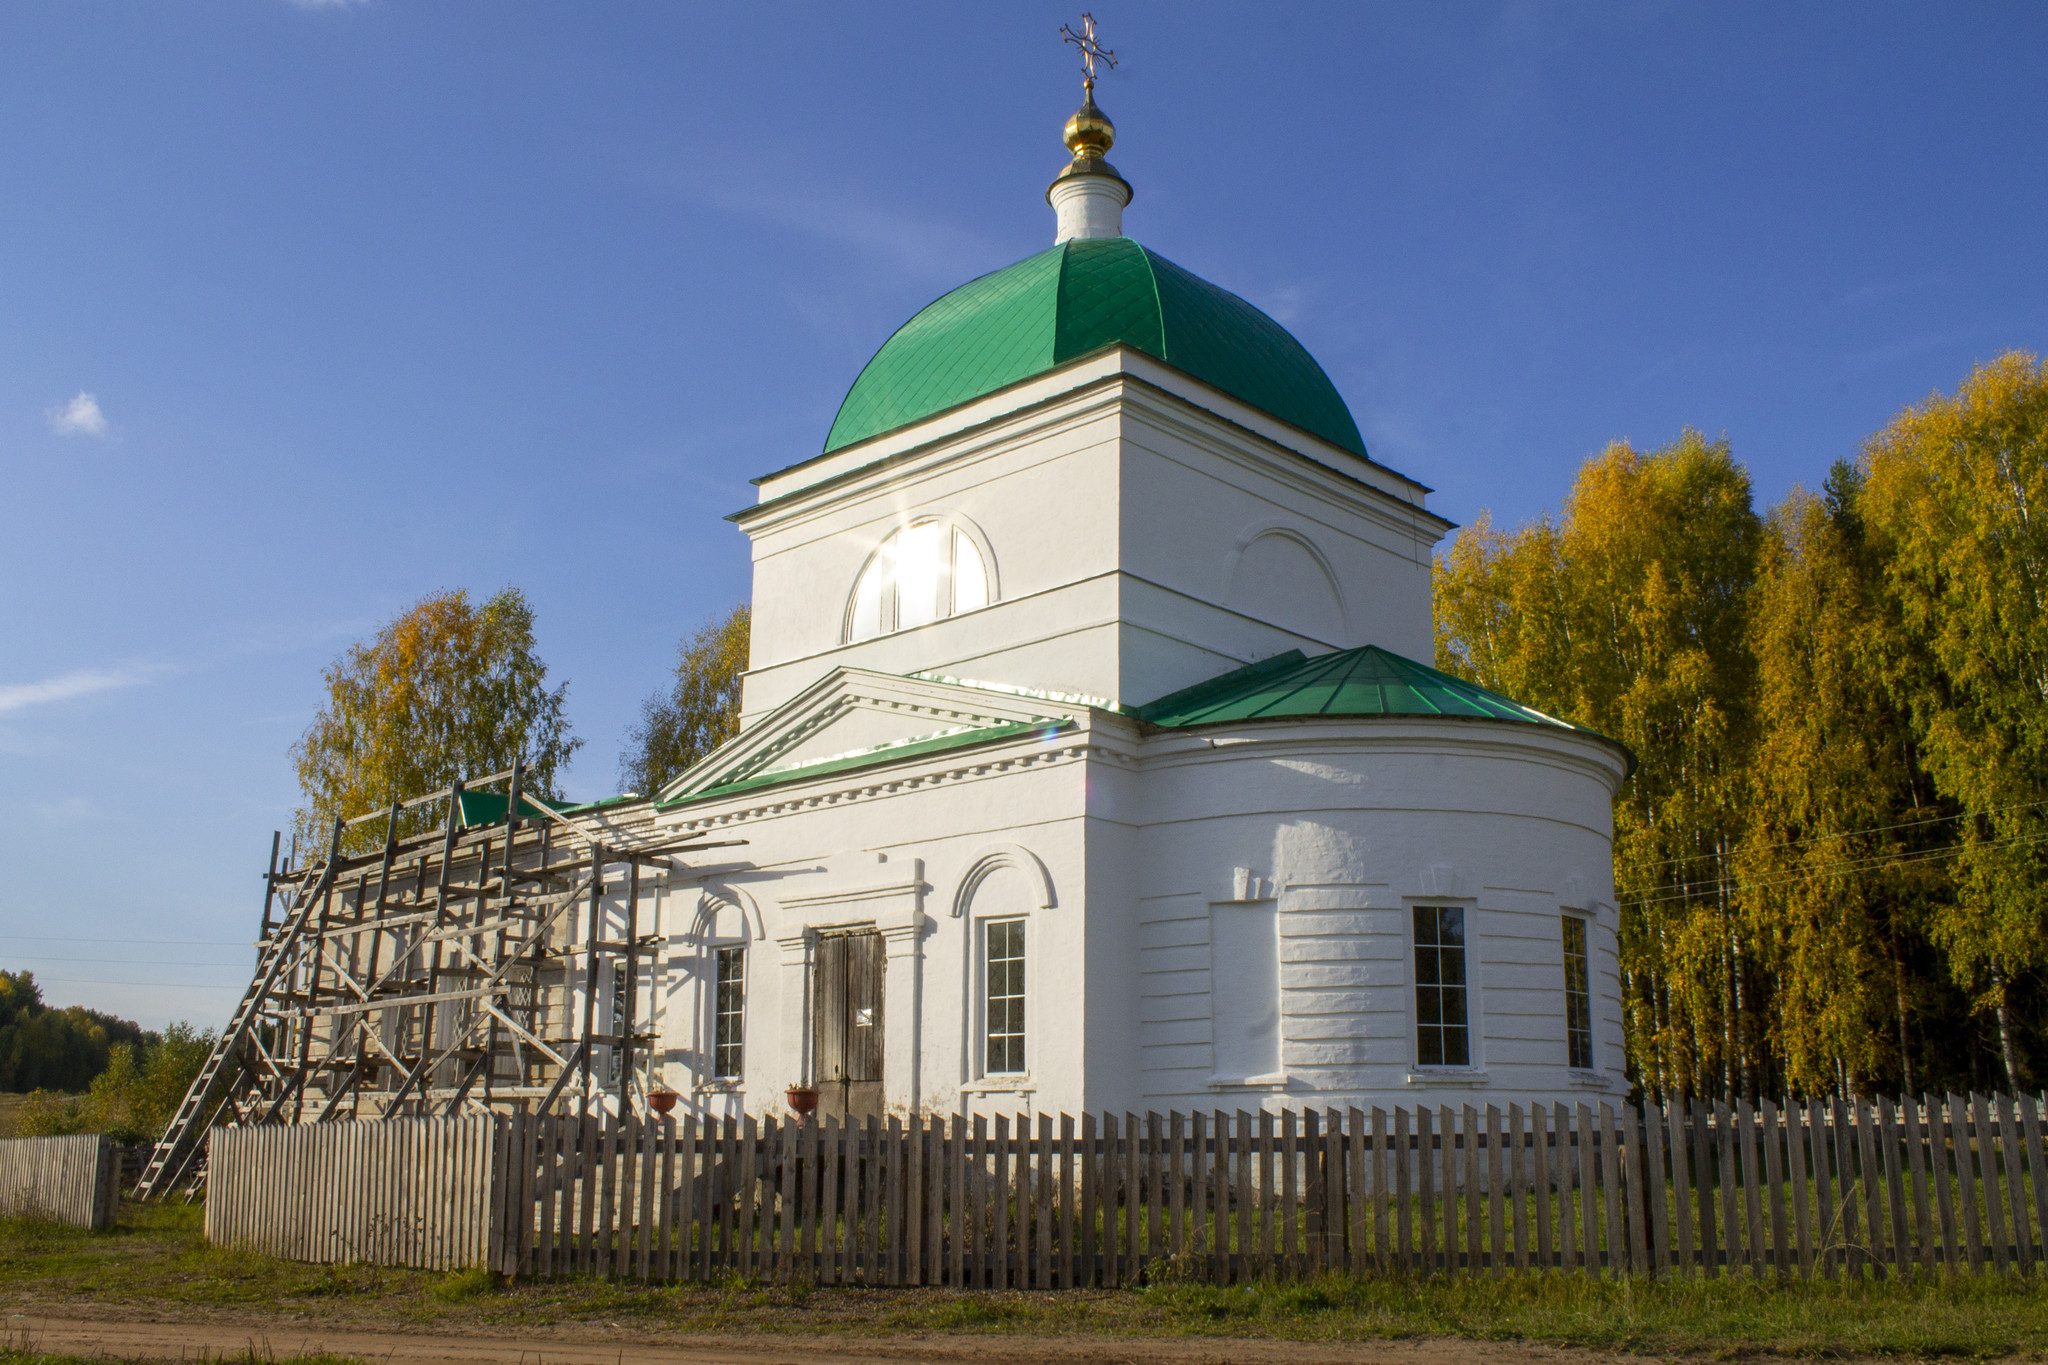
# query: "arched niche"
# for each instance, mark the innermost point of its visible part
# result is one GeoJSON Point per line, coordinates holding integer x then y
{"type": "Point", "coordinates": [1279, 575]}
{"type": "Point", "coordinates": [1027, 884]}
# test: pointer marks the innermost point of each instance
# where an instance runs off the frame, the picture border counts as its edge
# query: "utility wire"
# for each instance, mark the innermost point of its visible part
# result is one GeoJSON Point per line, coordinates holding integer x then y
{"type": "Point", "coordinates": [1835, 869]}
{"type": "Point", "coordinates": [1845, 834]}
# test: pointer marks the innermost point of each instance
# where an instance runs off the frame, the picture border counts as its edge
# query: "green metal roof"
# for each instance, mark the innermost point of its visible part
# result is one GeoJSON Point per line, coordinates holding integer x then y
{"type": "Point", "coordinates": [1077, 298]}
{"type": "Point", "coordinates": [488, 808]}
{"type": "Point", "coordinates": [1368, 681]}
{"type": "Point", "coordinates": [880, 754]}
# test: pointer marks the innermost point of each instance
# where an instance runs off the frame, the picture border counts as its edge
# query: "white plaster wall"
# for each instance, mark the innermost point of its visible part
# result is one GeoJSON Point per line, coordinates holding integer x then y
{"type": "Point", "coordinates": [813, 848]}
{"type": "Point", "coordinates": [1139, 540]}
{"type": "Point", "coordinates": [1338, 826]}
{"type": "Point", "coordinates": [1347, 825]}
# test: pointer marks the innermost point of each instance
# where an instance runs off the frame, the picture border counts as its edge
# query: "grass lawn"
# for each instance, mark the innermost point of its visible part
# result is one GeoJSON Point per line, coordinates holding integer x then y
{"type": "Point", "coordinates": [155, 1260]}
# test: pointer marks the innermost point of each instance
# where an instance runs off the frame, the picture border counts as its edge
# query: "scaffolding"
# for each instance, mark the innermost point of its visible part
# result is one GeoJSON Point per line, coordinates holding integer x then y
{"type": "Point", "coordinates": [491, 962]}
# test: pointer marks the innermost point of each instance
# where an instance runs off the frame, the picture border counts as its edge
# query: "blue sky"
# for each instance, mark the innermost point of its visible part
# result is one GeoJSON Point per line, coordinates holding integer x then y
{"type": "Point", "coordinates": [372, 299]}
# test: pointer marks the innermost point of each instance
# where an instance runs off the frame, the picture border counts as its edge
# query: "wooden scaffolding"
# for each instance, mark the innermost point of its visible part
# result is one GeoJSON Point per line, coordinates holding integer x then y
{"type": "Point", "coordinates": [496, 961]}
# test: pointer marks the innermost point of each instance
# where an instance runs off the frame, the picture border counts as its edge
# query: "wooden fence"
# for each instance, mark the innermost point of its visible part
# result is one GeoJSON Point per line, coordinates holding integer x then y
{"type": "Point", "coordinates": [71, 1179]}
{"type": "Point", "coordinates": [1819, 1188]}
{"type": "Point", "coordinates": [413, 1192]}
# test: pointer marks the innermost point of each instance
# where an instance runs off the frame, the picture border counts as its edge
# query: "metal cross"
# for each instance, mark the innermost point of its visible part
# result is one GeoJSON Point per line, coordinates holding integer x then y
{"type": "Point", "coordinates": [1091, 51]}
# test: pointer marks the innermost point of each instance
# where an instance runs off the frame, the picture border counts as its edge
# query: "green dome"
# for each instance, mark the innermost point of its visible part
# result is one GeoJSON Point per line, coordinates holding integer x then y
{"type": "Point", "coordinates": [1077, 298]}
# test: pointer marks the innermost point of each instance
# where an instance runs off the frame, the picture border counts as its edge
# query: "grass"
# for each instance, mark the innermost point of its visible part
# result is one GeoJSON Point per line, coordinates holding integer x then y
{"type": "Point", "coordinates": [154, 1258]}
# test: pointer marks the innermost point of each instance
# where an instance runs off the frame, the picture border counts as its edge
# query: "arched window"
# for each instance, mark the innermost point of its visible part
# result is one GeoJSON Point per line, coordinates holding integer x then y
{"type": "Point", "coordinates": [927, 570]}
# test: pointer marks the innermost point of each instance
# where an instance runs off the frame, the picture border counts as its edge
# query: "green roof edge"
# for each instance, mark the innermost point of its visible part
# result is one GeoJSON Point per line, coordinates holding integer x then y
{"type": "Point", "coordinates": [986, 734]}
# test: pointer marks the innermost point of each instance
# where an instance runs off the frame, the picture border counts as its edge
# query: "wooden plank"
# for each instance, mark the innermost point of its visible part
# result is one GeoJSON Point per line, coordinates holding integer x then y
{"type": "Point", "coordinates": [1654, 1187]}
{"type": "Point", "coordinates": [1219, 1196]}
{"type": "Point", "coordinates": [999, 1201]}
{"type": "Point", "coordinates": [894, 1185]}
{"type": "Point", "coordinates": [1871, 1179]}
{"type": "Point", "coordinates": [1177, 1183]}
{"type": "Point", "coordinates": [1563, 1163]}
{"type": "Point", "coordinates": [1288, 1241]}
{"type": "Point", "coordinates": [1252, 1197]}
{"type": "Point", "coordinates": [1447, 1185]}
{"type": "Point", "coordinates": [1518, 1184]}
{"type": "Point", "coordinates": [1541, 1203]}
{"type": "Point", "coordinates": [872, 1177]}
{"type": "Point", "coordinates": [1361, 1200]}
{"type": "Point", "coordinates": [1987, 1180]}
{"type": "Point", "coordinates": [1155, 1176]}
{"type": "Point", "coordinates": [2030, 1123]}
{"type": "Point", "coordinates": [1497, 1191]}
{"type": "Point", "coordinates": [1382, 1194]}
{"type": "Point", "coordinates": [1589, 1184]}
{"type": "Point", "coordinates": [1133, 1200]}
{"type": "Point", "coordinates": [1910, 1115]}
{"type": "Point", "coordinates": [1774, 1177]}
{"type": "Point", "coordinates": [1726, 1129]}
{"type": "Point", "coordinates": [2015, 1184]}
{"type": "Point", "coordinates": [1475, 1192]}
{"type": "Point", "coordinates": [1621, 1229]}
{"type": "Point", "coordinates": [1964, 1160]}
{"type": "Point", "coordinates": [1402, 1211]}
{"type": "Point", "coordinates": [1070, 1261]}
{"type": "Point", "coordinates": [1336, 1190]}
{"type": "Point", "coordinates": [1798, 1142]}
{"type": "Point", "coordinates": [974, 1152]}
{"type": "Point", "coordinates": [1704, 1171]}
{"type": "Point", "coordinates": [1752, 1177]}
{"type": "Point", "coordinates": [1891, 1155]}
{"type": "Point", "coordinates": [1091, 1204]}
{"type": "Point", "coordinates": [1847, 1185]}
{"type": "Point", "coordinates": [1425, 1191]}
{"type": "Point", "coordinates": [1934, 1123]}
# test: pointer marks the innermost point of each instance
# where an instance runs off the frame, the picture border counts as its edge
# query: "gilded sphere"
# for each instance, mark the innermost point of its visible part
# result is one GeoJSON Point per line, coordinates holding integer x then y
{"type": "Point", "coordinates": [1089, 132]}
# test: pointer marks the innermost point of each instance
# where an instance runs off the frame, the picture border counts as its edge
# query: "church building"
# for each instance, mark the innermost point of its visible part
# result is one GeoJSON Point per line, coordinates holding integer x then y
{"type": "Point", "coordinates": [1087, 761]}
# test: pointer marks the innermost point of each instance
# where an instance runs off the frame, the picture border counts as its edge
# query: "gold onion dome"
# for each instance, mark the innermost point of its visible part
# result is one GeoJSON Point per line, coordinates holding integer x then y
{"type": "Point", "coordinates": [1089, 135]}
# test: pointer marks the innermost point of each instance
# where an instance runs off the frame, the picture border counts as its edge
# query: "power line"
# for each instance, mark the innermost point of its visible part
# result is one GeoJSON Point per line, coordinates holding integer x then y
{"type": "Point", "coordinates": [1845, 834]}
{"type": "Point", "coordinates": [114, 962]}
{"type": "Point", "coordinates": [168, 942]}
{"type": "Point", "coordinates": [1836, 869]}
{"type": "Point", "coordinates": [140, 985]}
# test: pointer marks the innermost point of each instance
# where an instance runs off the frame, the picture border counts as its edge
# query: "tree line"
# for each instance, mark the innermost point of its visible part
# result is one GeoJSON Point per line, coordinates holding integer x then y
{"type": "Point", "coordinates": [1830, 857]}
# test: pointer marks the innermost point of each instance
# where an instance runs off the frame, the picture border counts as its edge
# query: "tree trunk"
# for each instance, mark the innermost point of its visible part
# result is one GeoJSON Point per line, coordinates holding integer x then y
{"type": "Point", "coordinates": [1899, 998]}
{"type": "Point", "coordinates": [2005, 1048]}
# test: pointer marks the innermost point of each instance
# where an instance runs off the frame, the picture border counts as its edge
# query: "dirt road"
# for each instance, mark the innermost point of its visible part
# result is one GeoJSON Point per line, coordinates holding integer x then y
{"type": "Point", "coordinates": [223, 1338]}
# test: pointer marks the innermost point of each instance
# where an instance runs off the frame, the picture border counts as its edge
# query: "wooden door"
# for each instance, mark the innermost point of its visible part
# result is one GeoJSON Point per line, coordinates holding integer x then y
{"type": "Point", "coordinates": [847, 1022]}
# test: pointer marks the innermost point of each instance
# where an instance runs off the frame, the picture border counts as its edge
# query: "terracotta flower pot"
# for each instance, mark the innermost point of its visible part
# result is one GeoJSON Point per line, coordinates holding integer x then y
{"type": "Point", "coordinates": [661, 1101]}
{"type": "Point", "coordinates": [802, 1098]}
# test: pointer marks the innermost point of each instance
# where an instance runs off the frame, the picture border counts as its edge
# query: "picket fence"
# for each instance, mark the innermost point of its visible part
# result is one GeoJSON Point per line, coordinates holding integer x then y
{"type": "Point", "coordinates": [1801, 1188]}
{"type": "Point", "coordinates": [70, 1179]}
{"type": "Point", "coordinates": [414, 1192]}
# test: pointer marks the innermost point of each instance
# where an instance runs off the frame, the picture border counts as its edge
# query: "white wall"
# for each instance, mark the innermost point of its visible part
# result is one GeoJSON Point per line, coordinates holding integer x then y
{"type": "Point", "coordinates": [1143, 533]}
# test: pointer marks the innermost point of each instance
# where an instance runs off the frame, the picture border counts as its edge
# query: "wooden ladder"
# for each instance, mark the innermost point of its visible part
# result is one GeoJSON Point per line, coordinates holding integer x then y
{"type": "Point", "coordinates": [174, 1151]}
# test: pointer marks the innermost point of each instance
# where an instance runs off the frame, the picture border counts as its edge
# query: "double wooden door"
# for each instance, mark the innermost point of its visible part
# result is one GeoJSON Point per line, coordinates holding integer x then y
{"type": "Point", "coordinates": [847, 1022]}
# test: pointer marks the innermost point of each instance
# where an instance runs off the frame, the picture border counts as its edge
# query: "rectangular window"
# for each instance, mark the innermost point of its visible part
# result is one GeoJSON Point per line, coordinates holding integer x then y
{"type": "Point", "coordinates": [1003, 978]}
{"type": "Point", "coordinates": [1578, 997]}
{"type": "Point", "coordinates": [729, 1029]}
{"type": "Point", "coordinates": [1442, 1037]}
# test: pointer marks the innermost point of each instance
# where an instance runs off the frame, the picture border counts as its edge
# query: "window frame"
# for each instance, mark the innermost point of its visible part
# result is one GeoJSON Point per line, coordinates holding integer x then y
{"type": "Point", "coordinates": [889, 615]}
{"type": "Point", "coordinates": [1583, 991]}
{"type": "Point", "coordinates": [1466, 986]}
{"type": "Point", "coordinates": [720, 954]}
{"type": "Point", "coordinates": [984, 929]}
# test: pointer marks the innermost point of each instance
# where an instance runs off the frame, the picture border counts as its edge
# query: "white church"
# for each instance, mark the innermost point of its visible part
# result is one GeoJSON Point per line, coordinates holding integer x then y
{"type": "Point", "coordinates": [1086, 762]}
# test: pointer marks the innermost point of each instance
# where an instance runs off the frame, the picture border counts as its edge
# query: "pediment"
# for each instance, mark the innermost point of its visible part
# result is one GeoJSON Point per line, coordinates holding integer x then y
{"type": "Point", "coordinates": [851, 714]}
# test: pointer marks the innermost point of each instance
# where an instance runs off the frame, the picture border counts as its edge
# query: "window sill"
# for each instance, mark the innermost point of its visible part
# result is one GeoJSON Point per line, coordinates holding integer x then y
{"type": "Point", "coordinates": [1587, 1080]}
{"type": "Point", "coordinates": [728, 1086]}
{"type": "Point", "coordinates": [1448, 1076]}
{"type": "Point", "coordinates": [1000, 1085]}
{"type": "Point", "coordinates": [1271, 1080]}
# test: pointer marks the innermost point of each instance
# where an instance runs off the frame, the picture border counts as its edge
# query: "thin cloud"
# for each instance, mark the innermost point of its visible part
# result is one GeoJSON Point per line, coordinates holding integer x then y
{"type": "Point", "coordinates": [66, 686]}
{"type": "Point", "coordinates": [80, 417]}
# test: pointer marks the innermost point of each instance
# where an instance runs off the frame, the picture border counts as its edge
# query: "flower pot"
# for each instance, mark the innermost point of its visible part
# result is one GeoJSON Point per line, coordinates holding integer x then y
{"type": "Point", "coordinates": [802, 1098]}
{"type": "Point", "coordinates": [661, 1101]}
